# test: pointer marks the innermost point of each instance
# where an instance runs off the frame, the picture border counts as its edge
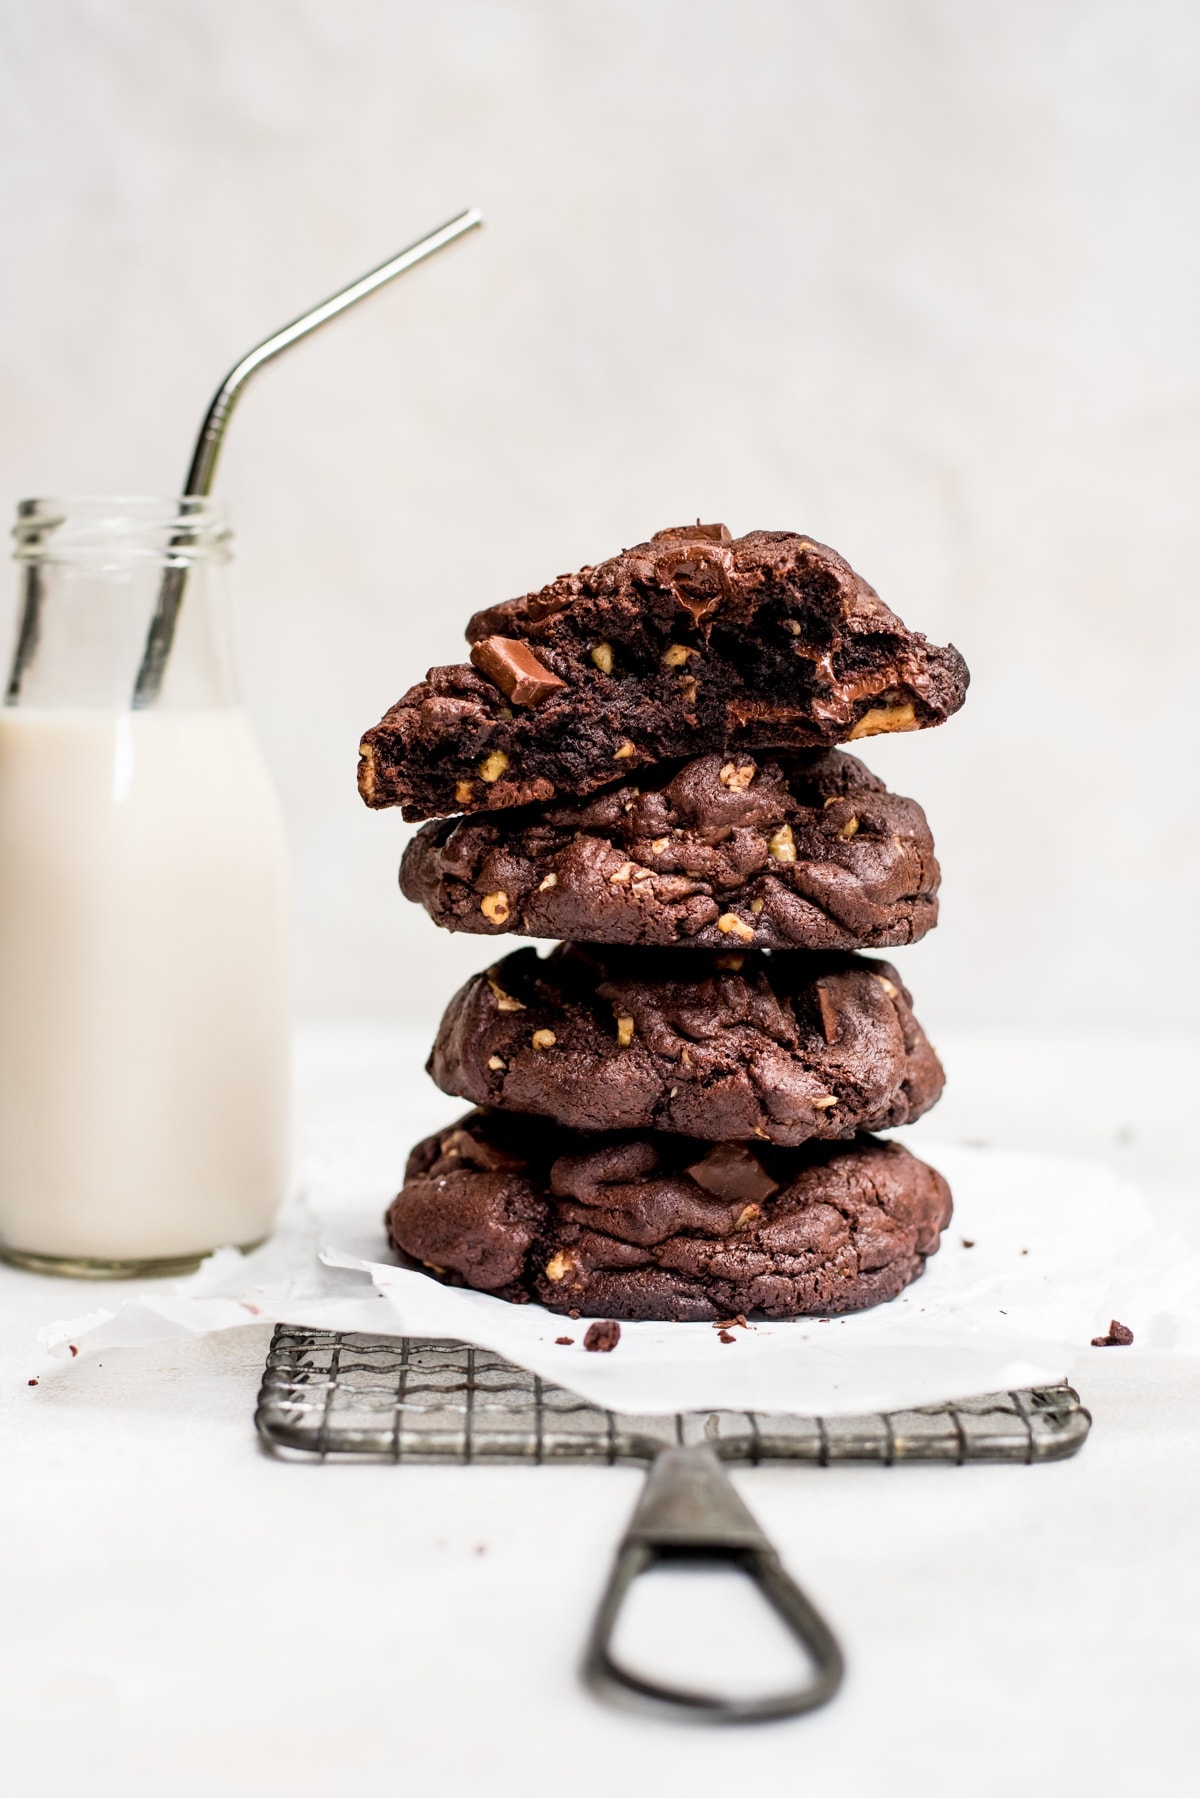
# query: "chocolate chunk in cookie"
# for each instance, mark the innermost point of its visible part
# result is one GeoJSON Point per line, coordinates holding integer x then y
{"type": "Point", "coordinates": [692, 644]}
{"type": "Point", "coordinates": [724, 1046]}
{"type": "Point", "coordinates": [800, 853]}
{"type": "Point", "coordinates": [619, 1227]}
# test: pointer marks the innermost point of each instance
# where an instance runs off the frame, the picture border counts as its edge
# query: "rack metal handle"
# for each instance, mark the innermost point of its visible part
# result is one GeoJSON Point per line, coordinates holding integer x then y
{"type": "Point", "coordinates": [689, 1512]}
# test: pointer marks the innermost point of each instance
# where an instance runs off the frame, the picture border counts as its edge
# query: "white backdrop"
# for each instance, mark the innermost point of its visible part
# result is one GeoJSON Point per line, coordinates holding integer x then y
{"type": "Point", "coordinates": [919, 277]}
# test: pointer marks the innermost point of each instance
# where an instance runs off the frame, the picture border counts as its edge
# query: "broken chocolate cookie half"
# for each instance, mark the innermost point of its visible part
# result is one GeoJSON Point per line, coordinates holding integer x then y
{"type": "Point", "coordinates": [694, 643]}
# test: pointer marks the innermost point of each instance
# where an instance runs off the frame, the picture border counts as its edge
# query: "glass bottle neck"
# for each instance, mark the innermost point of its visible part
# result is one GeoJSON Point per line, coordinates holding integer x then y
{"type": "Point", "coordinates": [114, 594]}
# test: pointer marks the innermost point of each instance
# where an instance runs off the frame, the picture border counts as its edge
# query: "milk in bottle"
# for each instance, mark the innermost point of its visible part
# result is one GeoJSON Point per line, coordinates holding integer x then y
{"type": "Point", "coordinates": [144, 990]}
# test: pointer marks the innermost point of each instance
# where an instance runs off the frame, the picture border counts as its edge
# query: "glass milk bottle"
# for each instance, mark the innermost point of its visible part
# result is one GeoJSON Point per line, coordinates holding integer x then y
{"type": "Point", "coordinates": [144, 981]}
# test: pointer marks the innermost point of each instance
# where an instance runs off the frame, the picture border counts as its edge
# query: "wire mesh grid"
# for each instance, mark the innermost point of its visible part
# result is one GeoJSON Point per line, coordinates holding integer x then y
{"type": "Point", "coordinates": [330, 1394]}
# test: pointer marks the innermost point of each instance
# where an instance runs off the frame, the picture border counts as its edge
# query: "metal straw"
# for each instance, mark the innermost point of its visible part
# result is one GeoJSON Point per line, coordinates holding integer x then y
{"type": "Point", "coordinates": [212, 432]}
{"type": "Point", "coordinates": [29, 631]}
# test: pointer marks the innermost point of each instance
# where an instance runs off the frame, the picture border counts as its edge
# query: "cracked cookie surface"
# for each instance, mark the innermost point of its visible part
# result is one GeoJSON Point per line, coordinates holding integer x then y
{"type": "Point", "coordinates": [665, 1227]}
{"type": "Point", "coordinates": [724, 1045]}
{"type": "Point", "coordinates": [804, 853]}
{"type": "Point", "coordinates": [693, 643]}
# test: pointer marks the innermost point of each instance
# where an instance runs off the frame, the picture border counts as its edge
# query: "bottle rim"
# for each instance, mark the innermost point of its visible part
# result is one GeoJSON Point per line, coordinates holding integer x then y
{"type": "Point", "coordinates": [103, 529]}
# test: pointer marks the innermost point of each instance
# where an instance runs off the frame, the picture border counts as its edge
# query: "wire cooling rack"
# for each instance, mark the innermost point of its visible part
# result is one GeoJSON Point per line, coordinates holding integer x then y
{"type": "Point", "coordinates": [329, 1395]}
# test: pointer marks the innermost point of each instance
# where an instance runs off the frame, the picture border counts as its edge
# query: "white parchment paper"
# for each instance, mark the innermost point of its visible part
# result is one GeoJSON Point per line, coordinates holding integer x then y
{"type": "Point", "coordinates": [1058, 1248]}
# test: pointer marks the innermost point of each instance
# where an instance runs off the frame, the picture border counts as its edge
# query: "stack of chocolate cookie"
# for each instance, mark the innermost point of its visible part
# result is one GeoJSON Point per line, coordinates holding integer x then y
{"type": "Point", "coordinates": [674, 1104]}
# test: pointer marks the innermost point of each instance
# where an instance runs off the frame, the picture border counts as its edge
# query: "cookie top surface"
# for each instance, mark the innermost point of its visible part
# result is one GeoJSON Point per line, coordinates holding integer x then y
{"type": "Point", "coordinates": [640, 1226]}
{"type": "Point", "coordinates": [692, 643]}
{"type": "Point", "coordinates": [722, 1046]}
{"type": "Point", "coordinates": [810, 852]}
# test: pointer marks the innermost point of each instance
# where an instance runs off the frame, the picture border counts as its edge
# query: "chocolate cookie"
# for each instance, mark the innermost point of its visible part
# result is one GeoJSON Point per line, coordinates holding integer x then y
{"type": "Point", "coordinates": [695, 643]}
{"type": "Point", "coordinates": [723, 1046]}
{"type": "Point", "coordinates": [664, 1227]}
{"type": "Point", "coordinates": [811, 853]}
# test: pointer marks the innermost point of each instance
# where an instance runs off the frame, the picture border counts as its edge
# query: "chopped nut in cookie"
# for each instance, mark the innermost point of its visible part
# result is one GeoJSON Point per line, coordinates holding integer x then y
{"type": "Point", "coordinates": [495, 907]}
{"type": "Point", "coordinates": [493, 766]}
{"type": "Point", "coordinates": [782, 845]}
{"type": "Point", "coordinates": [504, 1001]}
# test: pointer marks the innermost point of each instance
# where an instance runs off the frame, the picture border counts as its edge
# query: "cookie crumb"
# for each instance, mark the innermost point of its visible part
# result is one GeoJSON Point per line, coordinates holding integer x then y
{"type": "Point", "coordinates": [602, 1338]}
{"type": "Point", "coordinates": [74, 1347]}
{"type": "Point", "coordinates": [1119, 1336]}
{"type": "Point", "coordinates": [968, 1242]}
{"type": "Point", "coordinates": [726, 1337]}
{"type": "Point", "coordinates": [564, 1341]}
{"type": "Point", "coordinates": [31, 1382]}
{"type": "Point", "coordinates": [573, 1314]}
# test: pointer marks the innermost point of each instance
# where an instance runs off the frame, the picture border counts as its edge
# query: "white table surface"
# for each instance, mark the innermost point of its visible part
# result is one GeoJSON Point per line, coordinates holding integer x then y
{"type": "Point", "coordinates": [183, 1615]}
